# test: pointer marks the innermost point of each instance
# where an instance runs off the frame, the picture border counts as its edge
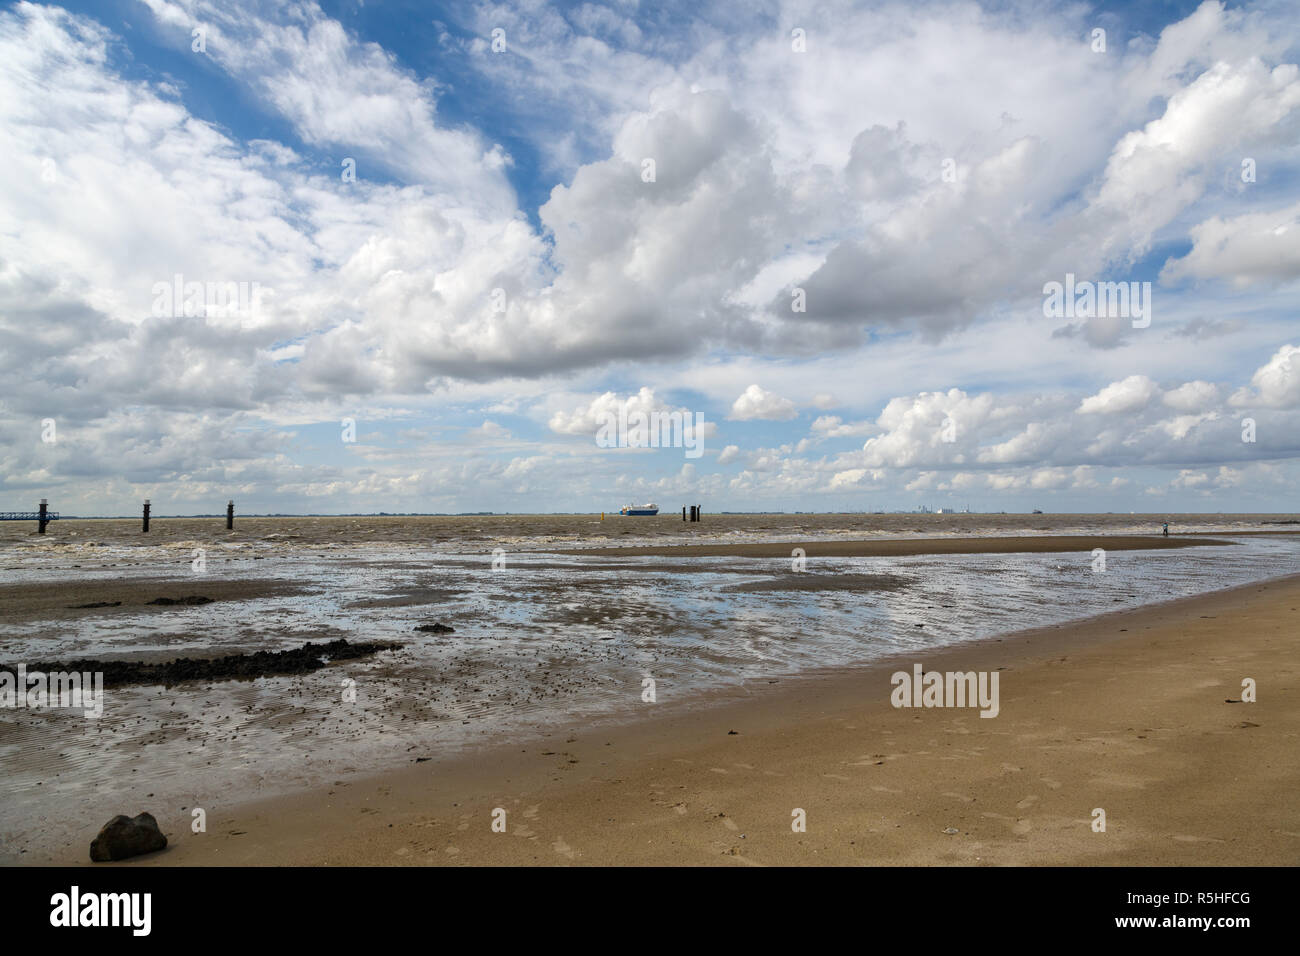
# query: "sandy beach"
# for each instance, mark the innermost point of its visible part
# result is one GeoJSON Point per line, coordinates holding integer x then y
{"type": "Point", "coordinates": [1128, 712]}
{"type": "Point", "coordinates": [594, 435]}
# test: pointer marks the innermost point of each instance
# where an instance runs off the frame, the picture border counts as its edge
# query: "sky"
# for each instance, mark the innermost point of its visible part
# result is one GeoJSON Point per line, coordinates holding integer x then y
{"type": "Point", "coordinates": [373, 256]}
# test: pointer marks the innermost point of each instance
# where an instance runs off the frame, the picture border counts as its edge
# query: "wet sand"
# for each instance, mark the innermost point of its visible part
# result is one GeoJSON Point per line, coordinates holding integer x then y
{"type": "Point", "coordinates": [61, 600]}
{"type": "Point", "coordinates": [908, 547]}
{"type": "Point", "coordinates": [1126, 712]}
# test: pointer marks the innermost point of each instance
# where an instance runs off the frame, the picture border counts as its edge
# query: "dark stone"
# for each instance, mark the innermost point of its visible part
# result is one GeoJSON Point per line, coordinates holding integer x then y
{"type": "Point", "coordinates": [78, 607]}
{"type": "Point", "coordinates": [192, 599]}
{"type": "Point", "coordinates": [438, 628]}
{"type": "Point", "coordinates": [123, 837]}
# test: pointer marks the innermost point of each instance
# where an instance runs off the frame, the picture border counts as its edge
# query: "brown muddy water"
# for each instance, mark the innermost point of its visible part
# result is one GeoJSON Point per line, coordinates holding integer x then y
{"type": "Point", "coordinates": [525, 532]}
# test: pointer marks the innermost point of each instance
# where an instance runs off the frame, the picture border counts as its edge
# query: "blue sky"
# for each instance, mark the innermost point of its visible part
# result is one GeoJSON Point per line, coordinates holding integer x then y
{"type": "Point", "coordinates": [501, 272]}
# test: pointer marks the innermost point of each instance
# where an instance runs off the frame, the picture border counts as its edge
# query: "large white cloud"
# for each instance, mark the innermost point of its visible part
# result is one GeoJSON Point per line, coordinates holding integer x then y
{"type": "Point", "coordinates": [1276, 384]}
{"type": "Point", "coordinates": [1253, 247]}
{"type": "Point", "coordinates": [394, 288]}
{"type": "Point", "coordinates": [587, 418]}
{"type": "Point", "coordinates": [337, 91]}
{"type": "Point", "coordinates": [758, 403]}
{"type": "Point", "coordinates": [1129, 395]}
{"type": "Point", "coordinates": [423, 279]}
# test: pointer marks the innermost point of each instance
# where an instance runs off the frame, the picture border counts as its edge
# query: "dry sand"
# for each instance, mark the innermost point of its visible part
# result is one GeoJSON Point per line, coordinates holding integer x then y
{"type": "Point", "coordinates": [1124, 712]}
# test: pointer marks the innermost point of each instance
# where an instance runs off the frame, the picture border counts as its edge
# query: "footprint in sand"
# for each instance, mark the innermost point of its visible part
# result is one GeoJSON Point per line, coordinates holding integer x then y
{"type": "Point", "coordinates": [1022, 827]}
{"type": "Point", "coordinates": [453, 851]}
{"type": "Point", "coordinates": [680, 808]}
{"type": "Point", "coordinates": [531, 812]}
{"type": "Point", "coordinates": [403, 851]}
{"type": "Point", "coordinates": [716, 770]}
{"type": "Point", "coordinates": [730, 824]}
{"type": "Point", "coordinates": [880, 789]}
{"type": "Point", "coordinates": [562, 848]}
{"type": "Point", "coordinates": [1050, 783]}
{"type": "Point", "coordinates": [959, 796]}
{"type": "Point", "coordinates": [1026, 803]}
{"type": "Point", "coordinates": [835, 776]}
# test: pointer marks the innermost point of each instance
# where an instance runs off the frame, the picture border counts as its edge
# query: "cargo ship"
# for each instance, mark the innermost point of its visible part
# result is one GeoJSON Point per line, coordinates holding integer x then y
{"type": "Point", "coordinates": [631, 510]}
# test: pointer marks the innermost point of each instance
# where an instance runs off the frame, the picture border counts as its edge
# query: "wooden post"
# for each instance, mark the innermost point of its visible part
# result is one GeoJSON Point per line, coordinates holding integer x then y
{"type": "Point", "coordinates": [41, 520]}
{"type": "Point", "coordinates": [699, 513]}
{"type": "Point", "coordinates": [146, 514]}
{"type": "Point", "coordinates": [683, 512]}
{"type": "Point", "coordinates": [230, 515]}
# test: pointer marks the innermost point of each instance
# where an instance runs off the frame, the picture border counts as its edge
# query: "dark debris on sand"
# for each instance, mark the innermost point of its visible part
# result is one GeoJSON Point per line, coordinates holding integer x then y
{"type": "Point", "coordinates": [299, 660]}
{"type": "Point", "coordinates": [191, 601]}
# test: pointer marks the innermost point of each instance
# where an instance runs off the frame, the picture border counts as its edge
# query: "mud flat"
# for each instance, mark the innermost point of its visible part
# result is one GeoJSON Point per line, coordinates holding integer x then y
{"type": "Point", "coordinates": [1138, 713]}
{"type": "Point", "coordinates": [907, 547]}
{"type": "Point", "coordinates": [60, 599]}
